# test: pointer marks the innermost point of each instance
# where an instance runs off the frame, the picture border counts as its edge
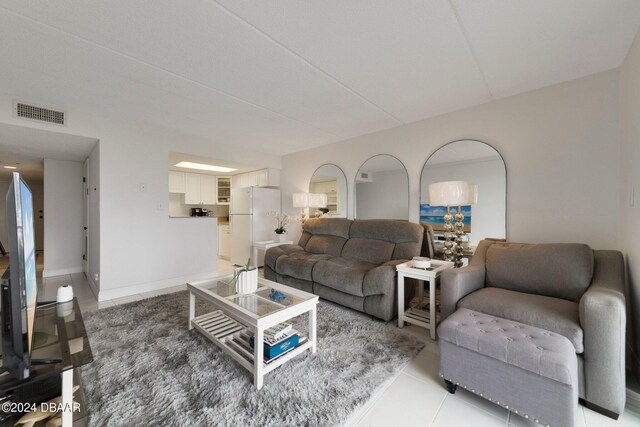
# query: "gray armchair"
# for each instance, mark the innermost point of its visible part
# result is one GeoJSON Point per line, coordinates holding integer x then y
{"type": "Point", "coordinates": [568, 289]}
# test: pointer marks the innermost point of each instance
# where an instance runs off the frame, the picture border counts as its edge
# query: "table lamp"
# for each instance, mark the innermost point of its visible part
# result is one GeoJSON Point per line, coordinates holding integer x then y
{"type": "Point", "coordinates": [456, 193]}
{"type": "Point", "coordinates": [317, 200]}
{"type": "Point", "coordinates": [301, 200]}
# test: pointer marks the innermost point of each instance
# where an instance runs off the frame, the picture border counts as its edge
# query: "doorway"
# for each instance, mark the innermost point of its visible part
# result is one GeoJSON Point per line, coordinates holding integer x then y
{"type": "Point", "coordinates": [54, 165]}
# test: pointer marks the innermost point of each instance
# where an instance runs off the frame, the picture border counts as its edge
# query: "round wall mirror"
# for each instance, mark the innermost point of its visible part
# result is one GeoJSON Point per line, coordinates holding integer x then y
{"type": "Point", "coordinates": [330, 180]}
{"type": "Point", "coordinates": [382, 189]}
{"type": "Point", "coordinates": [476, 163]}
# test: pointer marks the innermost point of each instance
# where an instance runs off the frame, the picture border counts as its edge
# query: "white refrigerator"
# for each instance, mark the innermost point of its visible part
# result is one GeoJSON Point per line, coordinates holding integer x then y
{"type": "Point", "coordinates": [251, 220]}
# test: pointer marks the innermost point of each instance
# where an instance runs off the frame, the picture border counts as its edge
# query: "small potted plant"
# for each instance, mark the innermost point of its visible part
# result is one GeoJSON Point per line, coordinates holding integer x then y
{"type": "Point", "coordinates": [281, 229]}
{"type": "Point", "coordinates": [245, 278]}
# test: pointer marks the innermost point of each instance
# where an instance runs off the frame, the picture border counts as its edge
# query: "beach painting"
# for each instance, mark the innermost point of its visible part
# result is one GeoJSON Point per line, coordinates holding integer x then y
{"type": "Point", "coordinates": [434, 216]}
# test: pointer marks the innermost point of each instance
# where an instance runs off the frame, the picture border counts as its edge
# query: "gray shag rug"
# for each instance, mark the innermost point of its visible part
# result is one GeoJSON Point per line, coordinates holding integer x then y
{"type": "Point", "coordinates": [149, 369]}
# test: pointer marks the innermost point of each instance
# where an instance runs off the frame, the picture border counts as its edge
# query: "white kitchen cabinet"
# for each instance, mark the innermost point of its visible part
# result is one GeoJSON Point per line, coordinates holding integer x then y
{"type": "Point", "coordinates": [261, 178]}
{"type": "Point", "coordinates": [223, 185]}
{"type": "Point", "coordinates": [240, 181]}
{"type": "Point", "coordinates": [176, 182]}
{"type": "Point", "coordinates": [224, 241]}
{"type": "Point", "coordinates": [192, 189]}
{"type": "Point", "coordinates": [208, 192]}
{"type": "Point", "coordinates": [200, 189]}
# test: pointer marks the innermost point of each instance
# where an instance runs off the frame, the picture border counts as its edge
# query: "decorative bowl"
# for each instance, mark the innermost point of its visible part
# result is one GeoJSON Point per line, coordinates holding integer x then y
{"type": "Point", "coordinates": [421, 262]}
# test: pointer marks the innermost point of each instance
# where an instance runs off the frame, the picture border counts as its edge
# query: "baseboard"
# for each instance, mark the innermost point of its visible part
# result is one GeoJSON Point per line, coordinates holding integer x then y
{"type": "Point", "coordinates": [61, 271]}
{"type": "Point", "coordinates": [125, 291]}
{"type": "Point", "coordinates": [633, 401]}
{"type": "Point", "coordinates": [93, 286]}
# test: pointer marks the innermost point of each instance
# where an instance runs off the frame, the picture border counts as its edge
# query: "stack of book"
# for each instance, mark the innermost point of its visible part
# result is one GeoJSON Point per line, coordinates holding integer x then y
{"type": "Point", "coordinates": [278, 340]}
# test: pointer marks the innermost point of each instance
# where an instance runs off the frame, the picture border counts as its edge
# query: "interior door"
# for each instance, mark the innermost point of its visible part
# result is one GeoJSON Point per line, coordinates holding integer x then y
{"type": "Point", "coordinates": [38, 216]}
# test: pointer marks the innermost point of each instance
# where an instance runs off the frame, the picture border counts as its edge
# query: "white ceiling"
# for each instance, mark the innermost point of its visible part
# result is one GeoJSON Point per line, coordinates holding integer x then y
{"type": "Point", "coordinates": [286, 75]}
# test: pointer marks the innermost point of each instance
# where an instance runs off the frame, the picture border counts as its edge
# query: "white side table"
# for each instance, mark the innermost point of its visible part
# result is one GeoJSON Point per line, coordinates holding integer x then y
{"type": "Point", "coordinates": [264, 246]}
{"type": "Point", "coordinates": [416, 315]}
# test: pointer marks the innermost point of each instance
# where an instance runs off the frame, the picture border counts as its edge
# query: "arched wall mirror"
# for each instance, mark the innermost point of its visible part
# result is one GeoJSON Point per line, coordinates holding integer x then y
{"type": "Point", "coordinates": [476, 163]}
{"type": "Point", "coordinates": [330, 180]}
{"type": "Point", "coordinates": [382, 189]}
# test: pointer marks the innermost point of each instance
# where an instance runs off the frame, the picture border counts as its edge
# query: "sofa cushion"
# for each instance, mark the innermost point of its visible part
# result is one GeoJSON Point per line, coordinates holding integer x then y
{"type": "Point", "coordinates": [372, 251]}
{"type": "Point", "coordinates": [379, 240]}
{"type": "Point", "coordinates": [325, 235]}
{"type": "Point", "coordinates": [272, 254]}
{"type": "Point", "coordinates": [387, 230]}
{"type": "Point", "coordinates": [344, 274]}
{"type": "Point", "coordinates": [328, 226]}
{"type": "Point", "coordinates": [552, 314]}
{"type": "Point", "coordinates": [298, 264]}
{"type": "Point", "coordinates": [325, 244]}
{"type": "Point", "coordinates": [554, 270]}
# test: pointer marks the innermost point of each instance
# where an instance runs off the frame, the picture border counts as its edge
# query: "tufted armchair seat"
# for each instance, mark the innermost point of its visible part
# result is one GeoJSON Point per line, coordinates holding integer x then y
{"type": "Point", "coordinates": [565, 289]}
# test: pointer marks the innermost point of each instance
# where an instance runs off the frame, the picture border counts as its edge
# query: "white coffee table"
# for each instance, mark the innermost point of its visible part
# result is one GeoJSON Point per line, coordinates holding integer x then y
{"type": "Point", "coordinates": [240, 316]}
{"type": "Point", "coordinates": [417, 315]}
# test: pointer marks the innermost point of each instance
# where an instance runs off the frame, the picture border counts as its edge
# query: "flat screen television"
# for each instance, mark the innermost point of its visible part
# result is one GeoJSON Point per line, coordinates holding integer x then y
{"type": "Point", "coordinates": [19, 288]}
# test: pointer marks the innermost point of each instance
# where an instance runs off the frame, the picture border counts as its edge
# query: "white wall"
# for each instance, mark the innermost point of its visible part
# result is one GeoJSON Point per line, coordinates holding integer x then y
{"type": "Point", "coordinates": [141, 248]}
{"type": "Point", "coordinates": [63, 234]}
{"type": "Point", "coordinates": [630, 177]}
{"type": "Point", "coordinates": [560, 148]}
{"type": "Point", "coordinates": [387, 196]}
{"type": "Point", "coordinates": [489, 214]}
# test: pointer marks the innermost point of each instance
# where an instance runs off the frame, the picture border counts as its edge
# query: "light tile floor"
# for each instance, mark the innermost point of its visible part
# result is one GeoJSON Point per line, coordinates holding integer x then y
{"type": "Point", "coordinates": [415, 396]}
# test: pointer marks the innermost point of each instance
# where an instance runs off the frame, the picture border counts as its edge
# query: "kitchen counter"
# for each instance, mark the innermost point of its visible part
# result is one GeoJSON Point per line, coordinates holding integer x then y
{"type": "Point", "coordinates": [195, 217]}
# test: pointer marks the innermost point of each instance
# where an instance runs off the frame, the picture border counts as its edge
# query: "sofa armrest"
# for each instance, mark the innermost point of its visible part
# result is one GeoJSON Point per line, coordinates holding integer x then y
{"type": "Point", "coordinates": [272, 254]}
{"type": "Point", "coordinates": [456, 283]}
{"type": "Point", "coordinates": [383, 280]}
{"type": "Point", "coordinates": [603, 320]}
{"type": "Point", "coordinates": [394, 262]}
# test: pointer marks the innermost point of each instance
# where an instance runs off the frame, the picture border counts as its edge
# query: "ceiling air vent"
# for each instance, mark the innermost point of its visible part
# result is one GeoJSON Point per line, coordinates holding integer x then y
{"type": "Point", "coordinates": [364, 177]}
{"type": "Point", "coordinates": [40, 114]}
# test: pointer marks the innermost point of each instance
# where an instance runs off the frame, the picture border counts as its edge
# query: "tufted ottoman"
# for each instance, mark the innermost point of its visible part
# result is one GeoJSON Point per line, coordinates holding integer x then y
{"type": "Point", "coordinates": [525, 369]}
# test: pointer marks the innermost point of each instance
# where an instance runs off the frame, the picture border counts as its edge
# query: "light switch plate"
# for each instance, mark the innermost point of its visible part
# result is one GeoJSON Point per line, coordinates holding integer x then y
{"type": "Point", "coordinates": [632, 201]}
{"type": "Point", "coordinates": [143, 187]}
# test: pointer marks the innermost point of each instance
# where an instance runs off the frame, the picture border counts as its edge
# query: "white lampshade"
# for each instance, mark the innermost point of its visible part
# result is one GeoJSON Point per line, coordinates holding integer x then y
{"type": "Point", "coordinates": [317, 200]}
{"type": "Point", "coordinates": [300, 200]}
{"type": "Point", "coordinates": [448, 193]}
{"type": "Point", "coordinates": [472, 194]}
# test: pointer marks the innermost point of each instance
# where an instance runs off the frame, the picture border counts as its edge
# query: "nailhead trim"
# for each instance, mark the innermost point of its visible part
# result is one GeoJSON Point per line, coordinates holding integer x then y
{"type": "Point", "coordinates": [497, 402]}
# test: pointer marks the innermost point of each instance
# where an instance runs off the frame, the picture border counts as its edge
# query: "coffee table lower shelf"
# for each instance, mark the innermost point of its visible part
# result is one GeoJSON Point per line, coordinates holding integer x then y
{"type": "Point", "coordinates": [233, 338]}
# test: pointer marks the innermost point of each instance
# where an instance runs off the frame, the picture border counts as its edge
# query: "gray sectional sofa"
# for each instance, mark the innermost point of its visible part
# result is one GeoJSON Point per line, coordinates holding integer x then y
{"type": "Point", "coordinates": [350, 262]}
